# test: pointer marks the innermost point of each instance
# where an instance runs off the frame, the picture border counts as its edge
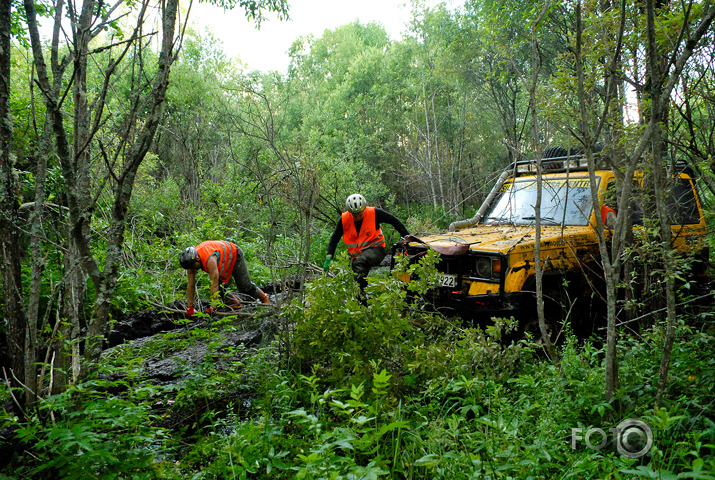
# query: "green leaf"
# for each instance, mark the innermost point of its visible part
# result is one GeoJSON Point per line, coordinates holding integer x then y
{"type": "Point", "coordinates": [642, 471]}
{"type": "Point", "coordinates": [697, 475]}
{"type": "Point", "coordinates": [362, 420]}
{"type": "Point", "coordinates": [393, 426]}
{"type": "Point", "coordinates": [429, 460]}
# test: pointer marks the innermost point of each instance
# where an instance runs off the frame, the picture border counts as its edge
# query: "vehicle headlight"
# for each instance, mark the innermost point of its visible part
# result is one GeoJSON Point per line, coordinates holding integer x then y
{"type": "Point", "coordinates": [488, 267]}
{"type": "Point", "coordinates": [483, 267]}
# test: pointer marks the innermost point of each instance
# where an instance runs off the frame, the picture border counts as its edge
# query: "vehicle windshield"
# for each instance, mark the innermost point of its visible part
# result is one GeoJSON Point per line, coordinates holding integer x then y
{"type": "Point", "coordinates": [564, 201]}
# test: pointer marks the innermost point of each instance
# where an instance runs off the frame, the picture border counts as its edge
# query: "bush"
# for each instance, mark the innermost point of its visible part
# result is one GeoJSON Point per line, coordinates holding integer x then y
{"type": "Point", "coordinates": [340, 332]}
{"type": "Point", "coordinates": [86, 433]}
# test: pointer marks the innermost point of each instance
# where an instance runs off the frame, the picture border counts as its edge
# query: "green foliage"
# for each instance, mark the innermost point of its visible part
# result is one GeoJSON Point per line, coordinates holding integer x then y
{"type": "Point", "coordinates": [452, 403]}
{"type": "Point", "coordinates": [367, 437]}
{"type": "Point", "coordinates": [336, 332]}
{"type": "Point", "coordinates": [351, 388]}
{"type": "Point", "coordinates": [342, 334]}
{"type": "Point", "coordinates": [238, 449]}
{"type": "Point", "coordinates": [255, 9]}
{"type": "Point", "coordinates": [150, 266]}
{"type": "Point", "coordinates": [85, 433]}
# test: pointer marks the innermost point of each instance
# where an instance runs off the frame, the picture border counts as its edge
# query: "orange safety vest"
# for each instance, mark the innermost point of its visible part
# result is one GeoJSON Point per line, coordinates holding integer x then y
{"type": "Point", "coordinates": [605, 210]}
{"type": "Point", "coordinates": [226, 253]}
{"type": "Point", "coordinates": [369, 236]}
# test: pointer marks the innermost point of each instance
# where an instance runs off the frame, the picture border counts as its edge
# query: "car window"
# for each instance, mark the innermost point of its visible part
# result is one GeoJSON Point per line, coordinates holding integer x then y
{"type": "Point", "coordinates": [564, 201]}
{"type": "Point", "coordinates": [682, 204]}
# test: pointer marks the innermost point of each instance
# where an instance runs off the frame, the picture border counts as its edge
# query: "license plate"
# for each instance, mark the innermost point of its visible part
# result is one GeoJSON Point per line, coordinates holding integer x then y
{"type": "Point", "coordinates": [446, 280]}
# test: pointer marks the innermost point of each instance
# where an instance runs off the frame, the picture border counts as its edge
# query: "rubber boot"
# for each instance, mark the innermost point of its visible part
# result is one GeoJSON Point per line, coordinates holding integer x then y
{"type": "Point", "coordinates": [362, 283]}
{"type": "Point", "coordinates": [232, 302]}
{"type": "Point", "coordinates": [263, 297]}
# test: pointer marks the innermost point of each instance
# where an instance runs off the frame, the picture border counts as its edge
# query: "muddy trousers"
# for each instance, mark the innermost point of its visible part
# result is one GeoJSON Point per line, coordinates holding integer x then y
{"type": "Point", "coordinates": [361, 265]}
{"type": "Point", "coordinates": [242, 278]}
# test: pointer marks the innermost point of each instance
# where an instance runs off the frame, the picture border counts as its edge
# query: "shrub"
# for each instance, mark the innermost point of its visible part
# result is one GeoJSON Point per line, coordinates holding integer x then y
{"type": "Point", "coordinates": [339, 332]}
{"type": "Point", "coordinates": [89, 434]}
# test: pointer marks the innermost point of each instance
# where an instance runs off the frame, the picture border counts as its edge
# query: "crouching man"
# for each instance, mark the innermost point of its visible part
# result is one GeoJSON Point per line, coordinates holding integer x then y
{"type": "Point", "coordinates": [221, 260]}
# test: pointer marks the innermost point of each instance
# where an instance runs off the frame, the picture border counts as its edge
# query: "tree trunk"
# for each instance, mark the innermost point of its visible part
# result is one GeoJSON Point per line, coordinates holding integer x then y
{"type": "Point", "coordinates": [661, 85]}
{"type": "Point", "coordinates": [76, 168]}
{"type": "Point", "coordinates": [13, 308]}
{"type": "Point", "coordinates": [54, 126]}
{"type": "Point", "coordinates": [106, 281]}
{"type": "Point", "coordinates": [610, 258]}
{"type": "Point", "coordinates": [658, 116]}
{"type": "Point", "coordinates": [541, 315]}
{"type": "Point", "coordinates": [37, 233]}
{"type": "Point", "coordinates": [75, 275]}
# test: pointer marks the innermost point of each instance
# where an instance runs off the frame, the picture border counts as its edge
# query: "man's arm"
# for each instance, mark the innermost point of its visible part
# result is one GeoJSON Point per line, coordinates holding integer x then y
{"type": "Point", "coordinates": [191, 290]}
{"type": "Point", "coordinates": [382, 216]}
{"type": "Point", "coordinates": [335, 238]}
{"type": "Point", "coordinates": [212, 270]}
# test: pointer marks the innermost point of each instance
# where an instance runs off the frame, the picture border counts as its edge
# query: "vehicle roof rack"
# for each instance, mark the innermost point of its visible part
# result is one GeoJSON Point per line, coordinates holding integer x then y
{"type": "Point", "coordinates": [682, 165]}
{"type": "Point", "coordinates": [569, 163]}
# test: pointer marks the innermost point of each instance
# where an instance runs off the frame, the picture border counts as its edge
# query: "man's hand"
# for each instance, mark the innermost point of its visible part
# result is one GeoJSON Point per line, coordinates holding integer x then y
{"type": "Point", "coordinates": [190, 312]}
{"type": "Point", "coordinates": [326, 265]}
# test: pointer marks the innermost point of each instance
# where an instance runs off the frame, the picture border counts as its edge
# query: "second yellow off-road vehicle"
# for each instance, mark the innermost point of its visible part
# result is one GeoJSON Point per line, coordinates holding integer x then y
{"type": "Point", "coordinates": [487, 262]}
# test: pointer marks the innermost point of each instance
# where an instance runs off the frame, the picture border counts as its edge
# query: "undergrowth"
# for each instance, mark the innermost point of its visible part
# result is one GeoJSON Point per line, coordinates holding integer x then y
{"type": "Point", "coordinates": [381, 388]}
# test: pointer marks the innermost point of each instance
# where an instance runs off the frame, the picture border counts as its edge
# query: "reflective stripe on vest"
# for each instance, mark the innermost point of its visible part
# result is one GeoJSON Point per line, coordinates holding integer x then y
{"type": "Point", "coordinates": [226, 253]}
{"type": "Point", "coordinates": [369, 236]}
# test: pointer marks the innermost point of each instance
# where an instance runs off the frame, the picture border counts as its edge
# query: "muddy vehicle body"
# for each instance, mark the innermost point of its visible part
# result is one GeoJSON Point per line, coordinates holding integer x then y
{"type": "Point", "coordinates": [487, 262]}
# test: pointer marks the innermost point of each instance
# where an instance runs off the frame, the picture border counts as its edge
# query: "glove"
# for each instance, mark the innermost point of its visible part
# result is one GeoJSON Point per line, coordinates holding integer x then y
{"type": "Point", "coordinates": [209, 311]}
{"type": "Point", "coordinates": [190, 312]}
{"type": "Point", "coordinates": [326, 265]}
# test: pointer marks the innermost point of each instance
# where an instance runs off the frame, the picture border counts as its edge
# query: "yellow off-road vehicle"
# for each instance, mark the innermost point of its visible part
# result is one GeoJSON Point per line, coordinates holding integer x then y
{"type": "Point", "coordinates": [487, 262]}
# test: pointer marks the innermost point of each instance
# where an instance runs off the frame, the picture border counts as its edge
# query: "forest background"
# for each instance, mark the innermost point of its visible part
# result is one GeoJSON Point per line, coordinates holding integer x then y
{"type": "Point", "coordinates": [129, 136]}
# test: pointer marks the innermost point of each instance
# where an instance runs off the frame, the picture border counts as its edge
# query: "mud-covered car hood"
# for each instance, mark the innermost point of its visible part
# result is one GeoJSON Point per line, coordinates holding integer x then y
{"type": "Point", "coordinates": [497, 238]}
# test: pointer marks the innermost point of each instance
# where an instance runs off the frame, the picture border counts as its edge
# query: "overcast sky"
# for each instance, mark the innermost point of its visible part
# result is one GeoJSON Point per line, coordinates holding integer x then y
{"type": "Point", "coordinates": [265, 49]}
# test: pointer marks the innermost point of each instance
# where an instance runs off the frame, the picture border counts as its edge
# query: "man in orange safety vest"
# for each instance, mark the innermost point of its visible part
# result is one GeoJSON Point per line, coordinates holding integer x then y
{"type": "Point", "coordinates": [221, 260]}
{"type": "Point", "coordinates": [359, 227]}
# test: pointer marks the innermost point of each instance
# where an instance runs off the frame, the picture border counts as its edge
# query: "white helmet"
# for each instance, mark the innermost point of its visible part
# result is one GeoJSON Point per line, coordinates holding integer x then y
{"type": "Point", "coordinates": [355, 203]}
{"type": "Point", "coordinates": [188, 257]}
